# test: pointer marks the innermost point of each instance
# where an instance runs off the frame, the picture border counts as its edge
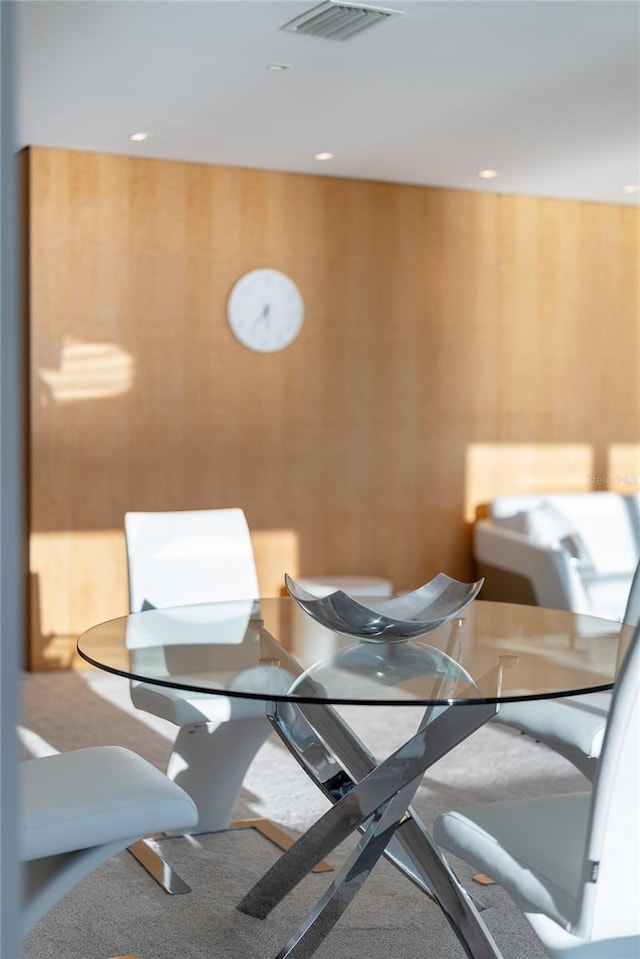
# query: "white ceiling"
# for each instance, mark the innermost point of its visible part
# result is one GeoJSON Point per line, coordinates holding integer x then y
{"type": "Point", "coordinates": [547, 92]}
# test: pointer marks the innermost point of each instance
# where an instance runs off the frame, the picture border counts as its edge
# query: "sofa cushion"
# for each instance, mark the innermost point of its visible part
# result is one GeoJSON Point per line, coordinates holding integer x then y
{"type": "Point", "coordinates": [608, 595]}
{"type": "Point", "coordinates": [603, 519]}
{"type": "Point", "coordinates": [546, 525]}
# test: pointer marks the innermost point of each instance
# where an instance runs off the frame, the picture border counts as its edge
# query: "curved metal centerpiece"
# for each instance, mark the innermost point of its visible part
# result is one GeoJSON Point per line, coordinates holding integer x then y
{"type": "Point", "coordinates": [389, 620]}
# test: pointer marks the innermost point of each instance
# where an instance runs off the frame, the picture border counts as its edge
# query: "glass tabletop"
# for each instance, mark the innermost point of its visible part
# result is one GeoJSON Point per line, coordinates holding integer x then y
{"type": "Point", "coordinates": [271, 649]}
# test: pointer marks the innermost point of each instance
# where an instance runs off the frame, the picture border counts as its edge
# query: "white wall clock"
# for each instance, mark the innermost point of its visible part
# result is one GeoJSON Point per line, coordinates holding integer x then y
{"type": "Point", "coordinates": [265, 310]}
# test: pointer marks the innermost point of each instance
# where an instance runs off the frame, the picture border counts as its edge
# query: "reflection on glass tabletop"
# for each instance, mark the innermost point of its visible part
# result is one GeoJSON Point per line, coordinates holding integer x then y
{"type": "Point", "coordinates": [271, 648]}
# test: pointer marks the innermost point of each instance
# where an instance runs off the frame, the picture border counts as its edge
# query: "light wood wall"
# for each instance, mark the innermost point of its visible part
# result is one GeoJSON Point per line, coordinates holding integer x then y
{"type": "Point", "coordinates": [440, 326]}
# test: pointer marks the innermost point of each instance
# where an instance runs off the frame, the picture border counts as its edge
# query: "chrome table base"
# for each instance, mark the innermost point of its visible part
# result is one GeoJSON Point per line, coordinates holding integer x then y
{"type": "Point", "coordinates": [276, 835]}
{"type": "Point", "coordinates": [375, 799]}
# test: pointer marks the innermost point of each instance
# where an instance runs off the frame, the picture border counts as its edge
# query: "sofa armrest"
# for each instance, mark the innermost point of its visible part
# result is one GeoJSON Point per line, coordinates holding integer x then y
{"type": "Point", "coordinates": [554, 578]}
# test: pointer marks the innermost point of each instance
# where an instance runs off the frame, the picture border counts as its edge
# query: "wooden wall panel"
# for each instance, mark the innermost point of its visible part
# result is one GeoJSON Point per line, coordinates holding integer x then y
{"type": "Point", "coordinates": [504, 469]}
{"type": "Point", "coordinates": [435, 320]}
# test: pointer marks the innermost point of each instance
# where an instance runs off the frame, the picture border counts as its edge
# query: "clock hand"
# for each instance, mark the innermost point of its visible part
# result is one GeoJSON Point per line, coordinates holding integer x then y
{"type": "Point", "coordinates": [263, 315]}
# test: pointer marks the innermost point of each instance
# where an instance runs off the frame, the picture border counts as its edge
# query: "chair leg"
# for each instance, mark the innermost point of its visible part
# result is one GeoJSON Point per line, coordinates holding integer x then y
{"type": "Point", "coordinates": [210, 762]}
{"type": "Point", "coordinates": [483, 880]}
{"type": "Point", "coordinates": [145, 851]}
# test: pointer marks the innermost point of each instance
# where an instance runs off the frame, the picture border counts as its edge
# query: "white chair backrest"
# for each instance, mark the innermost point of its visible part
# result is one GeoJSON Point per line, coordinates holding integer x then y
{"type": "Point", "coordinates": [190, 625]}
{"type": "Point", "coordinates": [183, 557]}
{"type": "Point", "coordinates": [632, 611]}
{"type": "Point", "coordinates": [609, 905]}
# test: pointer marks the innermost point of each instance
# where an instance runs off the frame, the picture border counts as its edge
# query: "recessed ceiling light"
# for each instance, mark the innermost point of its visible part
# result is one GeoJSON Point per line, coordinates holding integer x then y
{"type": "Point", "coordinates": [278, 67]}
{"type": "Point", "coordinates": [631, 188]}
{"type": "Point", "coordinates": [139, 136]}
{"type": "Point", "coordinates": [487, 174]}
{"type": "Point", "coordinates": [323, 156]}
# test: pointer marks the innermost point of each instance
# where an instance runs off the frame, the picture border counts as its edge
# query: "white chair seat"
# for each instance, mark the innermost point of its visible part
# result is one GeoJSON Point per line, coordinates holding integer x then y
{"type": "Point", "coordinates": [81, 808]}
{"type": "Point", "coordinates": [608, 594]}
{"type": "Point", "coordinates": [187, 708]}
{"type": "Point", "coordinates": [560, 943]}
{"type": "Point", "coordinates": [578, 722]}
{"type": "Point", "coordinates": [91, 797]}
{"type": "Point", "coordinates": [540, 865]}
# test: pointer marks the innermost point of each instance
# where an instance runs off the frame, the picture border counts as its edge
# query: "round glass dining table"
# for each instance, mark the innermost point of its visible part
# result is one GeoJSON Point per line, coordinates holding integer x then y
{"type": "Point", "coordinates": [271, 652]}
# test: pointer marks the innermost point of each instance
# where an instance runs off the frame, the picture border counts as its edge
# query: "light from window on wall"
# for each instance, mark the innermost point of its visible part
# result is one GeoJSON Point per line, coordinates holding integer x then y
{"type": "Point", "coordinates": [87, 371]}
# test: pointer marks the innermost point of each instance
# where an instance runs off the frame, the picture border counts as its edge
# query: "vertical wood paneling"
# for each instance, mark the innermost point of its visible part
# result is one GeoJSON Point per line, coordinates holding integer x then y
{"type": "Point", "coordinates": [435, 320]}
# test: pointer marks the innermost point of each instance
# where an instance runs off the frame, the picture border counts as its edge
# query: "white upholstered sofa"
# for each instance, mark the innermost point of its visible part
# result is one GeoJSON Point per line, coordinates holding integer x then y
{"type": "Point", "coordinates": [574, 551]}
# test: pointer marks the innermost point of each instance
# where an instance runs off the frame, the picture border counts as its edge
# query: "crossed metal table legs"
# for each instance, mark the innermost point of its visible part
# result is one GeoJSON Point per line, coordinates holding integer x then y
{"type": "Point", "coordinates": [374, 798]}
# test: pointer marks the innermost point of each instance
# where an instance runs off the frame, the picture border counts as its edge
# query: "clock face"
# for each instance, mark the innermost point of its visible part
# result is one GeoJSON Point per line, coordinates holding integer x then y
{"type": "Point", "coordinates": [265, 310]}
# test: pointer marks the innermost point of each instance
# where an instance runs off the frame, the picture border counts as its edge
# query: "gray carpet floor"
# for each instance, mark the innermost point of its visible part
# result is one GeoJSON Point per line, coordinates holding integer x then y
{"type": "Point", "coordinates": [120, 910]}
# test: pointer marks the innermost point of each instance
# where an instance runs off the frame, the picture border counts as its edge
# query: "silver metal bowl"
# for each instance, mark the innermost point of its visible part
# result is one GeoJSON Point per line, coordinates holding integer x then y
{"type": "Point", "coordinates": [389, 620]}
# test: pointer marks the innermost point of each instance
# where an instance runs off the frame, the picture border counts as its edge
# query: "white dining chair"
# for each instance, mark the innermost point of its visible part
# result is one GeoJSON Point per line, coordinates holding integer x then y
{"type": "Point", "coordinates": [571, 862]}
{"type": "Point", "coordinates": [80, 808]}
{"type": "Point", "coordinates": [180, 558]}
{"type": "Point", "coordinates": [573, 726]}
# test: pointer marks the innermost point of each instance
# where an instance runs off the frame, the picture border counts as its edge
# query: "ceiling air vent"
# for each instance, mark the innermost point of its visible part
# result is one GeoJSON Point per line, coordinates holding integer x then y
{"type": "Point", "coordinates": [337, 21]}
